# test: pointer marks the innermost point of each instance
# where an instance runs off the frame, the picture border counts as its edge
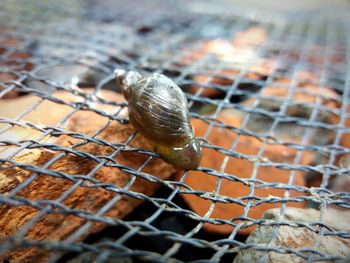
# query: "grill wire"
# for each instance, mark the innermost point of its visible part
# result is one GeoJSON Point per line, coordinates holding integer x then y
{"type": "Point", "coordinates": [100, 40]}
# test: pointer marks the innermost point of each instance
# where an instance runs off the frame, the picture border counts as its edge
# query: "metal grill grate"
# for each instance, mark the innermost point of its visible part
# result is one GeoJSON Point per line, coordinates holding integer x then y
{"type": "Point", "coordinates": [286, 94]}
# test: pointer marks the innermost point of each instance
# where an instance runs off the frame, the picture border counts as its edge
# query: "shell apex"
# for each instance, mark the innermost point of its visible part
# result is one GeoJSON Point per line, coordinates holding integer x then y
{"type": "Point", "coordinates": [126, 79]}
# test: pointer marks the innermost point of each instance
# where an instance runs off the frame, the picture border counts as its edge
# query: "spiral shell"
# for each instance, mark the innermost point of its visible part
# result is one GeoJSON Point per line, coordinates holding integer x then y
{"type": "Point", "coordinates": [158, 110]}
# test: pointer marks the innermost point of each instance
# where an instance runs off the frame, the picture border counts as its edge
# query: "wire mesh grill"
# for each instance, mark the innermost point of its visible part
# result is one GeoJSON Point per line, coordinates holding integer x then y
{"type": "Point", "coordinates": [72, 191]}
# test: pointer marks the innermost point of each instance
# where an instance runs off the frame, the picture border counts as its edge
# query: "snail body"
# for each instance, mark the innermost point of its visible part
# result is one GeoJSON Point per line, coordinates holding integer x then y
{"type": "Point", "coordinates": [158, 110]}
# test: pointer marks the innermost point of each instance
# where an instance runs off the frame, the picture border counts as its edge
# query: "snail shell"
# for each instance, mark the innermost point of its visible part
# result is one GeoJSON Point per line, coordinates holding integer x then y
{"type": "Point", "coordinates": [158, 110]}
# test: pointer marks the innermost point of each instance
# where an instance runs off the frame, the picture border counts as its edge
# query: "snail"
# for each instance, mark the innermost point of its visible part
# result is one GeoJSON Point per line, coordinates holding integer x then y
{"type": "Point", "coordinates": [158, 110]}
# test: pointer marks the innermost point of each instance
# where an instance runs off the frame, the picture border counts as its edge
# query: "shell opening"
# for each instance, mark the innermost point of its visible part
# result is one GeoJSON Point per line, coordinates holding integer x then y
{"type": "Point", "coordinates": [186, 157]}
